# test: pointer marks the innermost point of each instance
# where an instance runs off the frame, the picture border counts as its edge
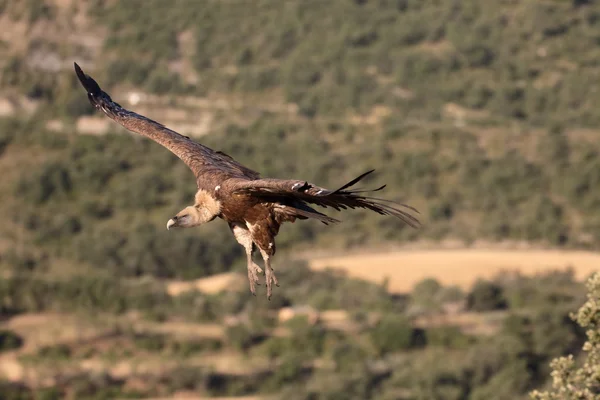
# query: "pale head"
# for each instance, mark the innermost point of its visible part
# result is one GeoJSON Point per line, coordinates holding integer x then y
{"type": "Point", "coordinates": [205, 209]}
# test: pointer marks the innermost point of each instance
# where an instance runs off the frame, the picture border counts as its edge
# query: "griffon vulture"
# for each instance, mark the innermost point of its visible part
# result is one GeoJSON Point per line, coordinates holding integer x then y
{"type": "Point", "coordinates": [254, 207]}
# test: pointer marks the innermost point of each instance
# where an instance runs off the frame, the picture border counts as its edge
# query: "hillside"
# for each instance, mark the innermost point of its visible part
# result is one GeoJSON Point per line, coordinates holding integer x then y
{"type": "Point", "coordinates": [107, 339]}
{"type": "Point", "coordinates": [482, 116]}
{"type": "Point", "coordinates": [490, 135]}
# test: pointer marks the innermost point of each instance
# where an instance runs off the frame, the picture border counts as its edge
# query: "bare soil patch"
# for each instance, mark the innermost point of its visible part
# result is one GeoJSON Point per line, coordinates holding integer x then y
{"type": "Point", "coordinates": [461, 267]}
{"type": "Point", "coordinates": [209, 285]}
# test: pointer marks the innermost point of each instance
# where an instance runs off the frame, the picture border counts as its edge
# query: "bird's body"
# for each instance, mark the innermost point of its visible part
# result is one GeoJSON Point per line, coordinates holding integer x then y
{"type": "Point", "coordinates": [253, 207]}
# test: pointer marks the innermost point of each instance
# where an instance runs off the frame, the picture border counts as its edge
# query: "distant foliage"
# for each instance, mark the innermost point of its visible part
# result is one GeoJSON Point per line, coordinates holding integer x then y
{"type": "Point", "coordinates": [481, 115]}
{"type": "Point", "coordinates": [474, 112]}
{"type": "Point", "coordinates": [448, 337]}
{"type": "Point", "coordinates": [393, 334]}
{"type": "Point", "coordinates": [486, 296]}
{"type": "Point", "coordinates": [9, 340]}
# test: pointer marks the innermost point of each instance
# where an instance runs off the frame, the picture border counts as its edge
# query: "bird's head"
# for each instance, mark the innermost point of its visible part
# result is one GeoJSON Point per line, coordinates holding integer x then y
{"type": "Point", "coordinates": [204, 210]}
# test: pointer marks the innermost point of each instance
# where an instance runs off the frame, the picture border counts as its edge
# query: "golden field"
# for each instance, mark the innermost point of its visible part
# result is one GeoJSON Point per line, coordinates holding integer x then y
{"type": "Point", "coordinates": [461, 267]}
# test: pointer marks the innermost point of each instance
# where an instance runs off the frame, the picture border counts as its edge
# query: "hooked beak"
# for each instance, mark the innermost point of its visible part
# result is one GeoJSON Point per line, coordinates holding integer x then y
{"type": "Point", "coordinates": [170, 223]}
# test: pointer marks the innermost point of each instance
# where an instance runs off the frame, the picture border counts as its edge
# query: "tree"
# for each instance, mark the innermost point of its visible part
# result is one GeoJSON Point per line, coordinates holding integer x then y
{"type": "Point", "coordinates": [394, 333]}
{"type": "Point", "coordinates": [568, 380]}
{"type": "Point", "coordinates": [486, 296]}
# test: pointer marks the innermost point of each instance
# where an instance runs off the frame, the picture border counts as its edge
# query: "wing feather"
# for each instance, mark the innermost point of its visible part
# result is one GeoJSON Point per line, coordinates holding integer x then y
{"type": "Point", "coordinates": [205, 163]}
{"type": "Point", "coordinates": [274, 190]}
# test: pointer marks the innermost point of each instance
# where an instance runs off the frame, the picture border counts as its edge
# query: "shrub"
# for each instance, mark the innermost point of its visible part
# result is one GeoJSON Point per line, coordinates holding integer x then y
{"type": "Point", "coordinates": [393, 333]}
{"type": "Point", "coordinates": [486, 296]}
{"type": "Point", "coordinates": [447, 336]}
{"type": "Point", "coordinates": [9, 340]}
{"type": "Point", "coordinates": [570, 381]}
{"type": "Point", "coordinates": [55, 352]}
{"type": "Point", "coordinates": [53, 180]}
{"type": "Point", "coordinates": [425, 294]}
{"type": "Point", "coordinates": [14, 391]}
{"type": "Point", "coordinates": [150, 342]}
{"type": "Point", "coordinates": [239, 337]}
{"type": "Point", "coordinates": [188, 348]}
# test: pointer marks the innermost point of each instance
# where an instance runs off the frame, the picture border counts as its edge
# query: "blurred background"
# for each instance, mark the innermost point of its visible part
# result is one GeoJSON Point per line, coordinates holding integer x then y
{"type": "Point", "coordinates": [482, 115]}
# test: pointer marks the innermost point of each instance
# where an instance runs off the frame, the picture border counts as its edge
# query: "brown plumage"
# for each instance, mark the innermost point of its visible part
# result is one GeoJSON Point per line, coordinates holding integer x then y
{"type": "Point", "coordinates": [254, 208]}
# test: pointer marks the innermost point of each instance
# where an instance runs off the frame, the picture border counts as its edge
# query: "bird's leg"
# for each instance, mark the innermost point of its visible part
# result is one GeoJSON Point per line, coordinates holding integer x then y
{"type": "Point", "coordinates": [253, 271]}
{"type": "Point", "coordinates": [269, 274]}
{"type": "Point", "coordinates": [243, 236]}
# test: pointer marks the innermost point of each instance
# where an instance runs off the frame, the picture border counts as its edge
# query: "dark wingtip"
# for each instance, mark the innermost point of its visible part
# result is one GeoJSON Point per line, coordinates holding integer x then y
{"type": "Point", "coordinates": [353, 181]}
{"type": "Point", "coordinates": [88, 83]}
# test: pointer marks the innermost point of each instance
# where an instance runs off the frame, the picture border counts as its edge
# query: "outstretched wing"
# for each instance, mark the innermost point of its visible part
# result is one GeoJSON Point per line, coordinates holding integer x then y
{"type": "Point", "coordinates": [274, 190]}
{"type": "Point", "coordinates": [208, 165]}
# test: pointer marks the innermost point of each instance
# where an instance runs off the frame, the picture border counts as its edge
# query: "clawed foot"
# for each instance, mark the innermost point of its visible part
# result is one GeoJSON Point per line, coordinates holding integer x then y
{"type": "Point", "coordinates": [253, 271]}
{"type": "Point", "coordinates": [270, 278]}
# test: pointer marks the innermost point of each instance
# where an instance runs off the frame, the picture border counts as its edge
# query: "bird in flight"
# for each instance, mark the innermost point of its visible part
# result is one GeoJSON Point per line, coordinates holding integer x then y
{"type": "Point", "coordinates": [254, 207]}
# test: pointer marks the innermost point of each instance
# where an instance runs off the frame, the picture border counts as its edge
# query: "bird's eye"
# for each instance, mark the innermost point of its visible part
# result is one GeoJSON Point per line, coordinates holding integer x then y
{"type": "Point", "coordinates": [183, 216]}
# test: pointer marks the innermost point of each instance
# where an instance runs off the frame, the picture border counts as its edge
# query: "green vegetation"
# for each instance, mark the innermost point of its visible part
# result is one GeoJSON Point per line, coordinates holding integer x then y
{"type": "Point", "coordinates": [486, 296]}
{"type": "Point", "coordinates": [504, 166]}
{"type": "Point", "coordinates": [380, 355]}
{"type": "Point", "coordinates": [479, 130]}
{"type": "Point", "coordinates": [482, 116]}
{"type": "Point", "coordinates": [572, 379]}
{"type": "Point", "coordinates": [394, 334]}
{"type": "Point", "coordinates": [9, 340]}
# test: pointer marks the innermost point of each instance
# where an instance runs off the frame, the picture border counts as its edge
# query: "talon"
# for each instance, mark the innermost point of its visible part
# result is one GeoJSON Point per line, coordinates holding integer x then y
{"type": "Point", "coordinates": [255, 268]}
{"type": "Point", "coordinates": [253, 276]}
{"type": "Point", "coordinates": [270, 280]}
